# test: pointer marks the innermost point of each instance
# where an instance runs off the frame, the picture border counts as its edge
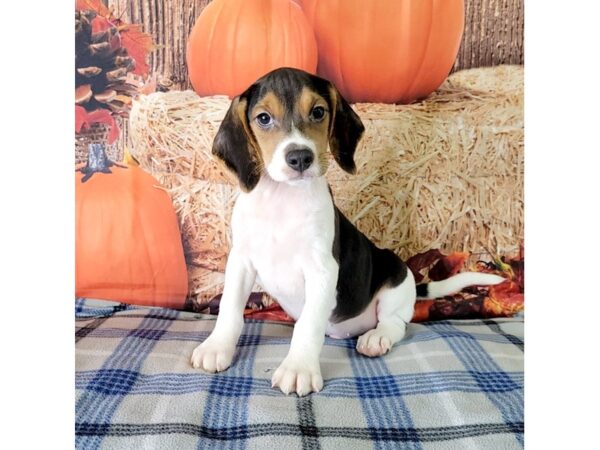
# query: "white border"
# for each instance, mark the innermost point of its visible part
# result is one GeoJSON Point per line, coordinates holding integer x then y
{"type": "Point", "coordinates": [562, 130]}
{"type": "Point", "coordinates": [562, 176]}
{"type": "Point", "coordinates": [37, 243]}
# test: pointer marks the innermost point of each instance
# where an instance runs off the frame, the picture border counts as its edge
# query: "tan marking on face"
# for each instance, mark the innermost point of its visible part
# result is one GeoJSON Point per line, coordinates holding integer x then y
{"type": "Point", "coordinates": [268, 139]}
{"type": "Point", "coordinates": [318, 132]}
{"type": "Point", "coordinates": [333, 95]}
{"type": "Point", "coordinates": [241, 113]}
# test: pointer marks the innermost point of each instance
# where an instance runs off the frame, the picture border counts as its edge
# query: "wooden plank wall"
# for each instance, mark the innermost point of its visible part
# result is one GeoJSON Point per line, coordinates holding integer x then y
{"type": "Point", "coordinates": [493, 33]}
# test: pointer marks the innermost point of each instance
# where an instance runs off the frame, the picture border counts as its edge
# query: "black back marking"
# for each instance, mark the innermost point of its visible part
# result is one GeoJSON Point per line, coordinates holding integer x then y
{"type": "Point", "coordinates": [363, 269]}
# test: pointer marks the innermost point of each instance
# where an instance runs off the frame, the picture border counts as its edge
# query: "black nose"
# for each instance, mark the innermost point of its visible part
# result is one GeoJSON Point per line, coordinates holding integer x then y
{"type": "Point", "coordinates": [299, 159]}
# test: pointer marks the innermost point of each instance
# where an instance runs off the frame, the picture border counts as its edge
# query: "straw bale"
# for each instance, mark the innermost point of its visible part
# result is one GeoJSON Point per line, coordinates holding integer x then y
{"type": "Point", "coordinates": [173, 132]}
{"type": "Point", "coordinates": [203, 208]}
{"type": "Point", "coordinates": [446, 172]}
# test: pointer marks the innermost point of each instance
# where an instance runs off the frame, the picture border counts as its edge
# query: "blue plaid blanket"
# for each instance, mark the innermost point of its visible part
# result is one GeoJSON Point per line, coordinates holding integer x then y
{"type": "Point", "coordinates": [448, 384]}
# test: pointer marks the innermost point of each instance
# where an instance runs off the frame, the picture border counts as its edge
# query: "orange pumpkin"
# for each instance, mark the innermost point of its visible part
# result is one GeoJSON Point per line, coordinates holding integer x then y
{"type": "Point", "coordinates": [128, 245]}
{"type": "Point", "coordinates": [390, 51]}
{"type": "Point", "coordinates": [235, 42]}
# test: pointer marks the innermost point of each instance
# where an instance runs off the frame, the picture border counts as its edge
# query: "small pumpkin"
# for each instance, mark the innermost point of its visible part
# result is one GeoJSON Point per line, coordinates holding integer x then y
{"type": "Point", "coordinates": [128, 245]}
{"type": "Point", "coordinates": [389, 51]}
{"type": "Point", "coordinates": [235, 42]}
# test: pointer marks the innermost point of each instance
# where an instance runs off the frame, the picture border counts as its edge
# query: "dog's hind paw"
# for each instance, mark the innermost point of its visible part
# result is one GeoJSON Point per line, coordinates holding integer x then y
{"type": "Point", "coordinates": [373, 343]}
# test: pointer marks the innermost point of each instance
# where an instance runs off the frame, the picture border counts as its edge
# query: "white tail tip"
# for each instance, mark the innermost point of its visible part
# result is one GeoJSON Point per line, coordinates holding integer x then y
{"type": "Point", "coordinates": [460, 281]}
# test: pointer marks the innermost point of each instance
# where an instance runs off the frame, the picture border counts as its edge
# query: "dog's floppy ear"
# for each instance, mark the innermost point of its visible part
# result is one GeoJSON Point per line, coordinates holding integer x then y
{"type": "Point", "coordinates": [235, 145]}
{"type": "Point", "coordinates": [345, 130]}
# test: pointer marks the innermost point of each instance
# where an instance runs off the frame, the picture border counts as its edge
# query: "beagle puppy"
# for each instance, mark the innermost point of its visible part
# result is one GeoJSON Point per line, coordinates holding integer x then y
{"type": "Point", "coordinates": [289, 237]}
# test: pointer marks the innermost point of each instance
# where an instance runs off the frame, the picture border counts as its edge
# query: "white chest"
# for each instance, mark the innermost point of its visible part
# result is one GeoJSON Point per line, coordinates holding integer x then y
{"type": "Point", "coordinates": [282, 229]}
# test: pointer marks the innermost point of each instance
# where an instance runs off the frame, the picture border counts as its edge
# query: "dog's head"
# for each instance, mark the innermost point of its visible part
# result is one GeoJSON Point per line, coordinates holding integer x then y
{"type": "Point", "coordinates": [282, 125]}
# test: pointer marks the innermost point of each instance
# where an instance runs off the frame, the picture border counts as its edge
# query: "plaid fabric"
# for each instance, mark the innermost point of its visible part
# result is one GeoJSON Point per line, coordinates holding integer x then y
{"type": "Point", "coordinates": [449, 384]}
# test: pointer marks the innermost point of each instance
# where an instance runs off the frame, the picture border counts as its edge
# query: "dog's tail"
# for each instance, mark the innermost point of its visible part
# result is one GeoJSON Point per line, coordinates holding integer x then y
{"type": "Point", "coordinates": [456, 283]}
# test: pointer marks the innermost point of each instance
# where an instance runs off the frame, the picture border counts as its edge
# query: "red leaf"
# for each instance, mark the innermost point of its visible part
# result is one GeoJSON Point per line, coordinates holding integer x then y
{"type": "Point", "coordinates": [100, 23]}
{"type": "Point", "coordinates": [138, 45]}
{"type": "Point", "coordinates": [422, 308]}
{"type": "Point", "coordinates": [504, 299]}
{"type": "Point", "coordinates": [505, 307]}
{"type": "Point", "coordinates": [273, 312]}
{"type": "Point", "coordinates": [518, 268]}
{"type": "Point", "coordinates": [448, 266]}
{"type": "Point", "coordinates": [422, 261]}
{"type": "Point", "coordinates": [504, 289]}
{"type": "Point", "coordinates": [100, 116]}
{"type": "Point", "coordinates": [80, 118]}
{"type": "Point", "coordinates": [84, 119]}
{"type": "Point", "coordinates": [93, 5]}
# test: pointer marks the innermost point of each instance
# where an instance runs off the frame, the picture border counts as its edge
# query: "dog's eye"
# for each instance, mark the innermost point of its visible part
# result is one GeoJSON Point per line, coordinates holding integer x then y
{"type": "Point", "coordinates": [317, 113]}
{"type": "Point", "coordinates": [264, 120]}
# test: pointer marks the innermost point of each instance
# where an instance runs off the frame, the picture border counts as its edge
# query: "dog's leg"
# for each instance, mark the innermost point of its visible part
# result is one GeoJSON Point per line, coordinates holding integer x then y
{"type": "Point", "coordinates": [216, 352]}
{"type": "Point", "coordinates": [394, 310]}
{"type": "Point", "coordinates": [300, 371]}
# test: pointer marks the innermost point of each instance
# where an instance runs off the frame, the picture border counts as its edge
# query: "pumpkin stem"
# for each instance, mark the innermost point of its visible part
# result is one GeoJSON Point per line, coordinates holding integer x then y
{"type": "Point", "coordinates": [97, 162]}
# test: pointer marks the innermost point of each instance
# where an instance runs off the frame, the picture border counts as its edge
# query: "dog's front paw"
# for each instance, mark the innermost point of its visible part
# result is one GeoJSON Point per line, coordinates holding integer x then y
{"type": "Point", "coordinates": [297, 376]}
{"type": "Point", "coordinates": [213, 356]}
